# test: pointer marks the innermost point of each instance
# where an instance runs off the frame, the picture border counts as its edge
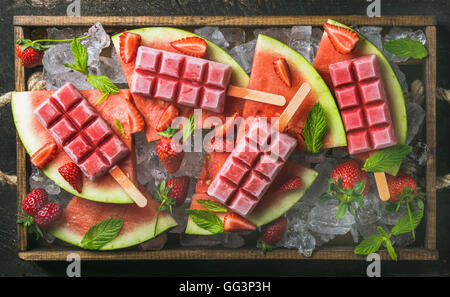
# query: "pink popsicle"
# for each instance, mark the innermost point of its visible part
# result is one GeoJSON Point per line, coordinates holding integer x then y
{"type": "Point", "coordinates": [82, 133]}
{"type": "Point", "coordinates": [361, 98]}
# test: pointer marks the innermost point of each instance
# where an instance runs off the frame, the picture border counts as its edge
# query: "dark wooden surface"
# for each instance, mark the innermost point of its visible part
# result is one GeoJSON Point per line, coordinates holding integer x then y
{"type": "Point", "coordinates": [10, 265]}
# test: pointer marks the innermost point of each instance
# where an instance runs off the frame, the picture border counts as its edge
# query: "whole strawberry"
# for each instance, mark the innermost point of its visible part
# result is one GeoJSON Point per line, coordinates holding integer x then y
{"type": "Point", "coordinates": [348, 183]}
{"type": "Point", "coordinates": [48, 215]}
{"type": "Point", "coordinates": [178, 188]}
{"type": "Point", "coordinates": [29, 56]}
{"type": "Point", "coordinates": [273, 233]}
{"type": "Point", "coordinates": [170, 153]}
{"type": "Point", "coordinates": [398, 183]}
{"type": "Point", "coordinates": [34, 201]}
{"type": "Point", "coordinates": [72, 174]}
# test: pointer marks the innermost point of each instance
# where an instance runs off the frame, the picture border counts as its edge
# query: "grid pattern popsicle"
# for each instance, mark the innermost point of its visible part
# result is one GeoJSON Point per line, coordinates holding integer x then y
{"type": "Point", "coordinates": [252, 166]}
{"type": "Point", "coordinates": [179, 78]}
{"type": "Point", "coordinates": [361, 98]}
{"type": "Point", "coordinates": [82, 133]}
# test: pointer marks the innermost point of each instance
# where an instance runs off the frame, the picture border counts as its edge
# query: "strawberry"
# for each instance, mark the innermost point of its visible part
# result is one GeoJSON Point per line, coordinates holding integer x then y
{"type": "Point", "coordinates": [170, 153]}
{"type": "Point", "coordinates": [48, 215]}
{"type": "Point", "coordinates": [167, 117]}
{"type": "Point", "coordinates": [397, 184]}
{"type": "Point", "coordinates": [192, 46]}
{"type": "Point", "coordinates": [350, 172]}
{"type": "Point", "coordinates": [178, 188]}
{"type": "Point", "coordinates": [72, 174]}
{"type": "Point", "coordinates": [273, 233]}
{"type": "Point", "coordinates": [135, 118]}
{"type": "Point", "coordinates": [34, 201]}
{"type": "Point", "coordinates": [348, 184]}
{"type": "Point", "coordinates": [44, 155]}
{"type": "Point", "coordinates": [129, 44]}
{"type": "Point", "coordinates": [233, 222]}
{"type": "Point", "coordinates": [292, 183]}
{"type": "Point", "coordinates": [29, 56]}
{"type": "Point", "coordinates": [228, 127]}
{"type": "Point", "coordinates": [281, 68]}
{"type": "Point", "coordinates": [344, 40]}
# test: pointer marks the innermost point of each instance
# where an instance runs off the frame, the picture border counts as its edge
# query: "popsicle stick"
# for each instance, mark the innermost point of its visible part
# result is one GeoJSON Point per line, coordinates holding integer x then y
{"type": "Point", "coordinates": [254, 95]}
{"type": "Point", "coordinates": [382, 186]}
{"type": "Point", "coordinates": [128, 186]}
{"type": "Point", "coordinates": [293, 106]}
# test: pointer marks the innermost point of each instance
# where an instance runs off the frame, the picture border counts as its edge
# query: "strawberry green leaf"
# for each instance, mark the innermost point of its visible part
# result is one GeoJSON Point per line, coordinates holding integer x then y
{"type": "Point", "coordinates": [391, 250]}
{"type": "Point", "coordinates": [406, 48]}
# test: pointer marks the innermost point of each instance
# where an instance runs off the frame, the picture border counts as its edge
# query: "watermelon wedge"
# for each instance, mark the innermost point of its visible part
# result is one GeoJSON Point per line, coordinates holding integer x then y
{"type": "Point", "coordinates": [272, 205]}
{"type": "Point", "coordinates": [152, 109]}
{"type": "Point", "coordinates": [327, 55]}
{"type": "Point", "coordinates": [264, 78]}
{"type": "Point", "coordinates": [81, 214]}
{"type": "Point", "coordinates": [34, 136]}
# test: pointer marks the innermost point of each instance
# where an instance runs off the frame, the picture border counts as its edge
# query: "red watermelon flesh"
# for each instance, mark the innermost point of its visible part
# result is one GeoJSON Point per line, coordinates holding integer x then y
{"type": "Point", "coordinates": [34, 136]}
{"type": "Point", "coordinates": [152, 109]}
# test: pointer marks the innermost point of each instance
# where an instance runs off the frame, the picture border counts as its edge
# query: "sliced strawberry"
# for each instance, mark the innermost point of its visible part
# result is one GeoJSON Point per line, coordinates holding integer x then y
{"type": "Point", "coordinates": [292, 183]}
{"type": "Point", "coordinates": [129, 44]}
{"type": "Point", "coordinates": [344, 40]}
{"type": "Point", "coordinates": [228, 127]}
{"type": "Point", "coordinates": [72, 174]}
{"type": "Point", "coordinates": [44, 155]}
{"type": "Point", "coordinates": [135, 118]}
{"type": "Point", "coordinates": [192, 46]}
{"type": "Point", "coordinates": [282, 70]}
{"type": "Point", "coordinates": [234, 223]}
{"type": "Point", "coordinates": [167, 117]}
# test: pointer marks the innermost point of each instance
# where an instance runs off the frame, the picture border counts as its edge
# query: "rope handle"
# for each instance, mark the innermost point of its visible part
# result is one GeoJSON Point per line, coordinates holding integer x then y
{"type": "Point", "coordinates": [416, 95]}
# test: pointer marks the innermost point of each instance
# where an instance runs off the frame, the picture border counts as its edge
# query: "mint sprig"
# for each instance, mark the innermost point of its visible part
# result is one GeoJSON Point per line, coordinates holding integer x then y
{"type": "Point", "coordinates": [101, 233]}
{"type": "Point", "coordinates": [373, 243]}
{"type": "Point", "coordinates": [387, 158]}
{"type": "Point", "coordinates": [212, 206]}
{"type": "Point", "coordinates": [406, 48]}
{"type": "Point", "coordinates": [345, 196]}
{"type": "Point", "coordinates": [206, 220]}
{"type": "Point", "coordinates": [315, 128]}
{"type": "Point", "coordinates": [99, 82]}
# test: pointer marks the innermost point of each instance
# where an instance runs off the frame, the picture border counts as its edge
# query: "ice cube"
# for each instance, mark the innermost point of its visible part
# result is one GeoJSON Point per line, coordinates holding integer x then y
{"type": "Point", "coordinates": [280, 34]}
{"type": "Point", "coordinates": [322, 219]}
{"type": "Point", "coordinates": [415, 116]}
{"type": "Point", "coordinates": [243, 54]}
{"type": "Point", "coordinates": [419, 153]}
{"type": "Point", "coordinates": [234, 36]}
{"type": "Point", "coordinates": [373, 34]}
{"type": "Point", "coordinates": [213, 34]}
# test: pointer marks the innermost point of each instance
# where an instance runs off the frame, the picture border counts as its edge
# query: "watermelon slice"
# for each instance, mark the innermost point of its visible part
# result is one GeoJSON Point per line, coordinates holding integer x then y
{"type": "Point", "coordinates": [139, 223]}
{"type": "Point", "coordinates": [327, 55]}
{"type": "Point", "coordinates": [160, 38]}
{"type": "Point", "coordinates": [264, 78]}
{"type": "Point", "coordinates": [271, 206]}
{"type": "Point", "coordinates": [34, 136]}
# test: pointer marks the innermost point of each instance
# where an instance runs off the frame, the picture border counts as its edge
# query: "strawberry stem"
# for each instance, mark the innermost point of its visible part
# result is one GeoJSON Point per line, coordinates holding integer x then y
{"type": "Point", "coordinates": [411, 220]}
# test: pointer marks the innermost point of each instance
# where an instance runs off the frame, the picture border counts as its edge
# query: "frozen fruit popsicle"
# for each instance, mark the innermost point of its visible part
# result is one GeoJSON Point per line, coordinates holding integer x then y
{"type": "Point", "coordinates": [364, 108]}
{"type": "Point", "coordinates": [255, 162]}
{"type": "Point", "coordinates": [82, 133]}
{"type": "Point", "coordinates": [361, 98]}
{"type": "Point", "coordinates": [189, 81]}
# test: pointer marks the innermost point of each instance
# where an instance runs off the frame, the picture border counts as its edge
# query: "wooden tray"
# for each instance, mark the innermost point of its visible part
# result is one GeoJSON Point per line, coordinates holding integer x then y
{"type": "Point", "coordinates": [23, 25]}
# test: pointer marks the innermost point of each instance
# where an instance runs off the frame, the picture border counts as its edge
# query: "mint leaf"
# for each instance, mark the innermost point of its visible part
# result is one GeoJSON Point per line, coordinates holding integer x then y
{"type": "Point", "coordinates": [168, 133]}
{"type": "Point", "coordinates": [206, 220]}
{"type": "Point", "coordinates": [81, 57]}
{"type": "Point", "coordinates": [120, 128]}
{"type": "Point", "coordinates": [406, 48]}
{"type": "Point", "coordinates": [385, 159]}
{"type": "Point", "coordinates": [315, 128]}
{"type": "Point", "coordinates": [188, 128]}
{"type": "Point", "coordinates": [212, 206]}
{"type": "Point", "coordinates": [369, 245]}
{"type": "Point", "coordinates": [101, 233]}
{"type": "Point", "coordinates": [102, 83]}
{"type": "Point", "coordinates": [406, 223]}
{"type": "Point", "coordinates": [391, 250]}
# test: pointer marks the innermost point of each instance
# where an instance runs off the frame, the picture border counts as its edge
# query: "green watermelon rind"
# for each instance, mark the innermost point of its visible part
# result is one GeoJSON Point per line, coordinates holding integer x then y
{"type": "Point", "coordinates": [22, 114]}
{"type": "Point", "coordinates": [137, 236]}
{"type": "Point", "coordinates": [215, 53]}
{"type": "Point", "coordinates": [335, 128]}
{"type": "Point", "coordinates": [391, 85]}
{"type": "Point", "coordinates": [262, 216]}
